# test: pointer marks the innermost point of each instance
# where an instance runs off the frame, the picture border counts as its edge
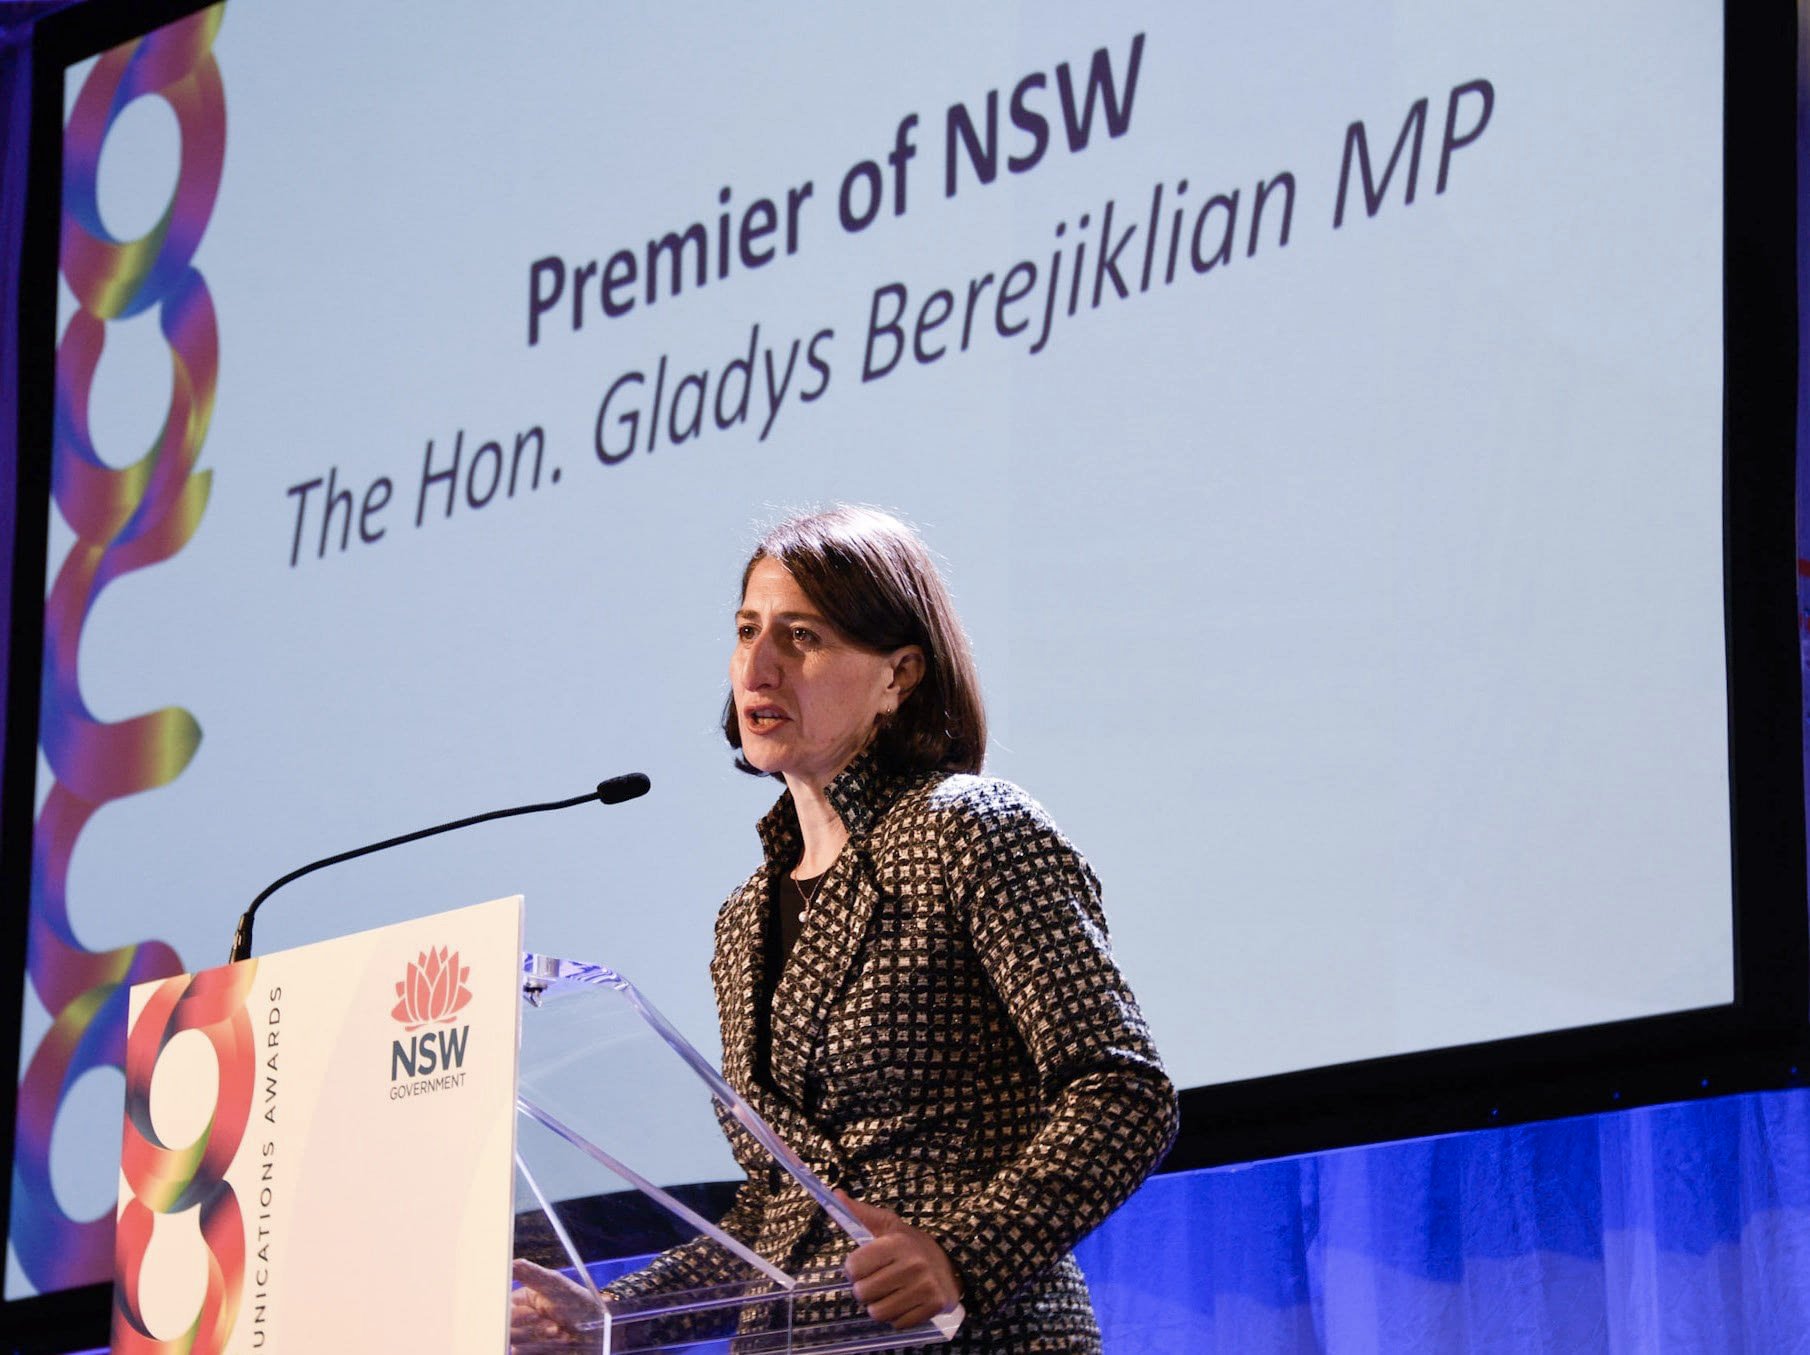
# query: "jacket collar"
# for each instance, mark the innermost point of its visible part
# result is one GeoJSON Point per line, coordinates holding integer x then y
{"type": "Point", "coordinates": [860, 793]}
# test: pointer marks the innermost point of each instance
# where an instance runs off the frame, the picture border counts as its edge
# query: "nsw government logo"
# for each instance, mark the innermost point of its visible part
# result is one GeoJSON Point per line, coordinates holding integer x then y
{"type": "Point", "coordinates": [430, 996]}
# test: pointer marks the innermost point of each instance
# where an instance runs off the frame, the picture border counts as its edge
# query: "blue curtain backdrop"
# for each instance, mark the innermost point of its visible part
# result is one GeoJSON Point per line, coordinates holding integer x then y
{"type": "Point", "coordinates": [1674, 1228]}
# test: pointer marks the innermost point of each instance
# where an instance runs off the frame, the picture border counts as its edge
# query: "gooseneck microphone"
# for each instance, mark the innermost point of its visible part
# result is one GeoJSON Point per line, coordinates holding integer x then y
{"type": "Point", "coordinates": [614, 791]}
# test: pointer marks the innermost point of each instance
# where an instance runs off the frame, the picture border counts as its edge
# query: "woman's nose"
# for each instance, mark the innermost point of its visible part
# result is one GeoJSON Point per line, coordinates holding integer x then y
{"type": "Point", "coordinates": [759, 662]}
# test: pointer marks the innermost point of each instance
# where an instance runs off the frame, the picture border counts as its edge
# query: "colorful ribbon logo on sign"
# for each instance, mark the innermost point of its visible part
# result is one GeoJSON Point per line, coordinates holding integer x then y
{"type": "Point", "coordinates": [124, 519]}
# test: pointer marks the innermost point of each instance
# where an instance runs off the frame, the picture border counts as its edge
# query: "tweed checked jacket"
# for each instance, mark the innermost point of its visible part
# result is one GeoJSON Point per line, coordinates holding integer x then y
{"type": "Point", "coordinates": [951, 1039]}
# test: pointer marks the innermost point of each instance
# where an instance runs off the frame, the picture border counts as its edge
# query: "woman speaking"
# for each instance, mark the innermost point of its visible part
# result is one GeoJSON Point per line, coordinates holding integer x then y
{"type": "Point", "coordinates": [915, 987]}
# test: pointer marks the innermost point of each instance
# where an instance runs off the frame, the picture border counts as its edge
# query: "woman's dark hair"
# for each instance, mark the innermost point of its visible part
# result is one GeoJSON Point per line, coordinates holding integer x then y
{"type": "Point", "coordinates": [873, 580]}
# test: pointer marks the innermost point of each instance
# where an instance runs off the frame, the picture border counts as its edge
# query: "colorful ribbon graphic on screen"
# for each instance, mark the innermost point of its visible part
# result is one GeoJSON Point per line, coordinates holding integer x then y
{"type": "Point", "coordinates": [171, 1178]}
{"type": "Point", "coordinates": [123, 519]}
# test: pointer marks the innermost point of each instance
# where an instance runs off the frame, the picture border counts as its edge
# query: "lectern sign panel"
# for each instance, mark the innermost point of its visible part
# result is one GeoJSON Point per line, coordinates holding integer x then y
{"type": "Point", "coordinates": [310, 1133]}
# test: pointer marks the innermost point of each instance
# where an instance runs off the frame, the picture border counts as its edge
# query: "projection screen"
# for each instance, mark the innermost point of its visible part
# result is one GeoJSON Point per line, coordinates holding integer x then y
{"type": "Point", "coordinates": [1317, 411]}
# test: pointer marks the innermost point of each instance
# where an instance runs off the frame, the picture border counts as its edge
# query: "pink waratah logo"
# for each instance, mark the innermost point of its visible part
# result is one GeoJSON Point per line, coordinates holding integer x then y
{"type": "Point", "coordinates": [434, 989]}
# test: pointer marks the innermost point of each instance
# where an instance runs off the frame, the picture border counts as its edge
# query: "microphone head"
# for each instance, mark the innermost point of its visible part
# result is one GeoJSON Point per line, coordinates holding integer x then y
{"type": "Point", "coordinates": [629, 786]}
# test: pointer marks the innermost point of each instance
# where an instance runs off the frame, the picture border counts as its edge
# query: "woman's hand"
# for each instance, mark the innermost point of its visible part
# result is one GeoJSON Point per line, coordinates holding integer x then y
{"type": "Point", "coordinates": [548, 1308]}
{"type": "Point", "coordinates": [903, 1275]}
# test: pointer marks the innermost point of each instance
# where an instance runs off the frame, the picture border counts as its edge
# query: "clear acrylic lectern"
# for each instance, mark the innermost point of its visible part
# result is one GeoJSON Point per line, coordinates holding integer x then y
{"type": "Point", "coordinates": [616, 1109]}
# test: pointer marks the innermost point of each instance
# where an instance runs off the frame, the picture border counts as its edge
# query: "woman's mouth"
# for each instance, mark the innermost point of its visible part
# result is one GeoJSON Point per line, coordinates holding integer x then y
{"type": "Point", "coordinates": [762, 719]}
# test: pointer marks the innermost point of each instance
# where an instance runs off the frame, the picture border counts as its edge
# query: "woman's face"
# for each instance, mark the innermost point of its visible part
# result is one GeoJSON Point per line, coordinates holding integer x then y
{"type": "Point", "coordinates": [806, 697]}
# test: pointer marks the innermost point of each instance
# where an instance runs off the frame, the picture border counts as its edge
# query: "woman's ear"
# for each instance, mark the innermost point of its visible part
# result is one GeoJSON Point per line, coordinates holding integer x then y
{"type": "Point", "coordinates": [907, 665]}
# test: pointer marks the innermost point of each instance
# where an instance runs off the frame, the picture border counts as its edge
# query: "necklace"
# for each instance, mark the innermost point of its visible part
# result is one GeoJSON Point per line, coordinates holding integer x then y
{"type": "Point", "coordinates": [810, 899]}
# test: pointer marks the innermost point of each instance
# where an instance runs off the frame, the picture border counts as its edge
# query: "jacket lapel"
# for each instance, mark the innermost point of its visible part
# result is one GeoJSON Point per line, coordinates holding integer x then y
{"type": "Point", "coordinates": [835, 935]}
{"type": "Point", "coordinates": [818, 969]}
{"type": "Point", "coordinates": [738, 967]}
{"type": "Point", "coordinates": [738, 970]}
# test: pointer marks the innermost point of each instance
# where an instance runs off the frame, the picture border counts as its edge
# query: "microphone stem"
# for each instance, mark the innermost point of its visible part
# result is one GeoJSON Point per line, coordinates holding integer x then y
{"type": "Point", "coordinates": [242, 937]}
